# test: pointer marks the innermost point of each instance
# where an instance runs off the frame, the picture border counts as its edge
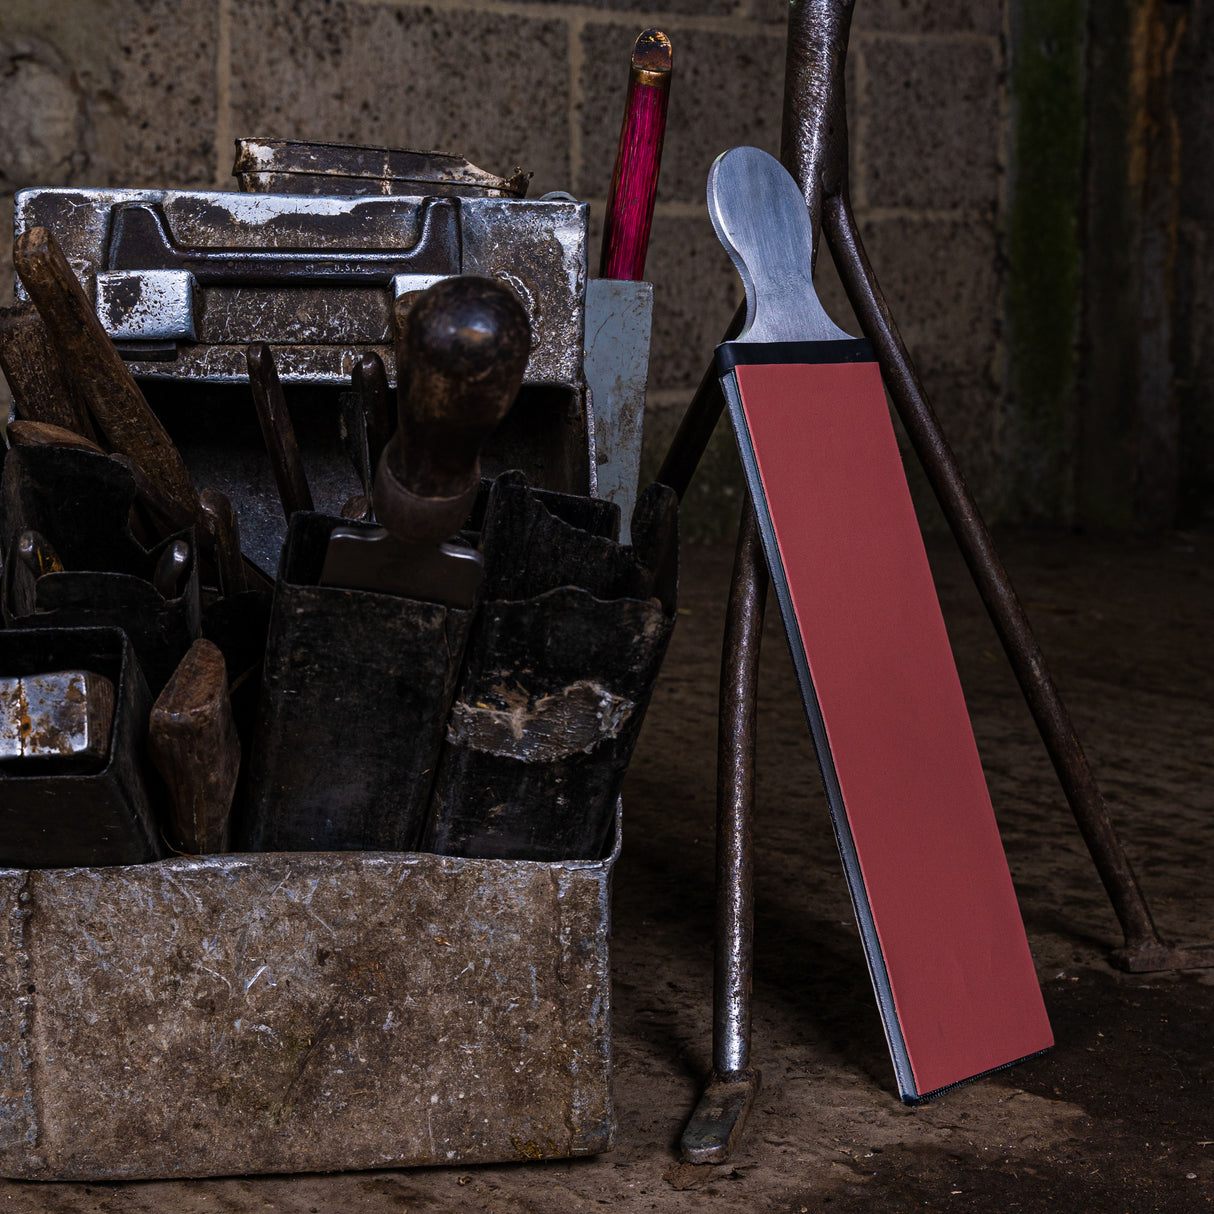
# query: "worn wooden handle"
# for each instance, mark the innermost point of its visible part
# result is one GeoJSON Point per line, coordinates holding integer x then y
{"type": "Point", "coordinates": [638, 158]}
{"type": "Point", "coordinates": [41, 392]}
{"type": "Point", "coordinates": [461, 350]}
{"type": "Point", "coordinates": [277, 431]}
{"type": "Point", "coordinates": [193, 743]}
{"type": "Point", "coordinates": [95, 370]}
{"type": "Point", "coordinates": [370, 381]}
{"type": "Point", "coordinates": [225, 530]}
{"type": "Point", "coordinates": [22, 433]}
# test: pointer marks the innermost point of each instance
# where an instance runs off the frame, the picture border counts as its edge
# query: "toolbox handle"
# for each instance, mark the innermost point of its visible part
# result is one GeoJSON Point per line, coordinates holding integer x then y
{"type": "Point", "coordinates": [146, 295]}
{"type": "Point", "coordinates": [140, 240]}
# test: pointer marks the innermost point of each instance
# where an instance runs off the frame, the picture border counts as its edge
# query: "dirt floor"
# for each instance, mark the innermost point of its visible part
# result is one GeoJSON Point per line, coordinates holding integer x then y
{"type": "Point", "coordinates": [1118, 1118]}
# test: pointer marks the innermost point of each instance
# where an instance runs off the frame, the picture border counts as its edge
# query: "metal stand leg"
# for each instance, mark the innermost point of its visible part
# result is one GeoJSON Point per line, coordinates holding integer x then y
{"type": "Point", "coordinates": [1144, 951]}
{"type": "Point", "coordinates": [814, 147]}
{"type": "Point", "coordinates": [721, 1114]}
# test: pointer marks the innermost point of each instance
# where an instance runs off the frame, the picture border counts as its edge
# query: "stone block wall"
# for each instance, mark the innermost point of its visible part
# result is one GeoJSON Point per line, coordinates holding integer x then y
{"type": "Point", "coordinates": [153, 92]}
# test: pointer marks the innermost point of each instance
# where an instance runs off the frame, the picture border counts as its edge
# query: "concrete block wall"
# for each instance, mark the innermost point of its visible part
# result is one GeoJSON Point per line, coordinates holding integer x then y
{"type": "Point", "coordinates": [152, 93]}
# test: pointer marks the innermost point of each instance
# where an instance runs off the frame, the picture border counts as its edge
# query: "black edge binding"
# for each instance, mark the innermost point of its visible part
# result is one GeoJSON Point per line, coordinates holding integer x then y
{"type": "Point", "coordinates": [732, 354]}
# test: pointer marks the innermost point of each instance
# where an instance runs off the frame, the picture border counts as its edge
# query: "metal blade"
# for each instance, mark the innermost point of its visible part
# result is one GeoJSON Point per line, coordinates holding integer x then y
{"type": "Point", "coordinates": [359, 558]}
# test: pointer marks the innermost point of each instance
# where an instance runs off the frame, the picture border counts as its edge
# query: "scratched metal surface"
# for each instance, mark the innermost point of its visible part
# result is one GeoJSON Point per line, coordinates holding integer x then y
{"type": "Point", "coordinates": [302, 1012]}
{"type": "Point", "coordinates": [537, 246]}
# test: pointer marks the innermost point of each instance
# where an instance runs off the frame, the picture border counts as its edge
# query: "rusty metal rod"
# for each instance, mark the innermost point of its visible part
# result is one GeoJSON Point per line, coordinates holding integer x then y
{"type": "Point", "coordinates": [994, 585]}
{"type": "Point", "coordinates": [720, 1117]}
{"type": "Point", "coordinates": [816, 152]}
{"type": "Point", "coordinates": [735, 800]}
{"type": "Point", "coordinates": [699, 421]}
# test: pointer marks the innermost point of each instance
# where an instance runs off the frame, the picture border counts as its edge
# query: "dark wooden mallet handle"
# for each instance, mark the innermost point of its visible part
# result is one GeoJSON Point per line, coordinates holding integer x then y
{"type": "Point", "coordinates": [193, 743]}
{"type": "Point", "coordinates": [277, 431]}
{"type": "Point", "coordinates": [461, 350]}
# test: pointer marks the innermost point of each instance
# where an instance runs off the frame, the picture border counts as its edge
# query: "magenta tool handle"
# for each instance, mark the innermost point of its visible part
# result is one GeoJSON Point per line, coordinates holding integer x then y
{"type": "Point", "coordinates": [637, 160]}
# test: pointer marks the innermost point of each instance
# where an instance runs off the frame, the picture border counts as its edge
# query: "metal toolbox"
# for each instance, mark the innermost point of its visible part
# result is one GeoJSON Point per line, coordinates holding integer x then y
{"type": "Point", "coordinates": [309, 1011]}
{"type": "Point", "coordinates": [184, 280]}
{"type": "Point", "coordinates": [303, 1012]}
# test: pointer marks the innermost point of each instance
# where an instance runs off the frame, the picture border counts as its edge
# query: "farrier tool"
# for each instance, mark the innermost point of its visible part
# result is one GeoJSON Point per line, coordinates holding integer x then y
{"type": "Point", "coordinates": [22, 433]}
{"type": "Point", "coordinates": [100, 386]}
{"type": "Point", "coordinates": [37, 555]}
{"type": "Point", "coordinates": [192, 741]}
{"type": "Point", "coordinates": [619, 305]}
{"type": "Point", "coordinates": [41, 392]}
{"type": "Point", "coordinates": [942, 933]}
{"type": "Point", "coordinates": [368, 417]}
{"type": "Point", "coordinates": [462, 347]}
{"type": "Point", "coordinates": [277, 431]}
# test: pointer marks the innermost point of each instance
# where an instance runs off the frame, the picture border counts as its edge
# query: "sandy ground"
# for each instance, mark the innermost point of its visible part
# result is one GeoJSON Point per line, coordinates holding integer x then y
{"type": "Point", "coordinates": [1117, 1118]}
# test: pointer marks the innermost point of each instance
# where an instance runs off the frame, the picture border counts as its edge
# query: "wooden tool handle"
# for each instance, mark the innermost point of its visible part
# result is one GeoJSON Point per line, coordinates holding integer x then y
{"type": "Point", "coordinates": [95, 370]}
{"type": "Point", "coordinates": [41, 392]}
{"type": "Point", "coordinates": [23, 433]}
{"type": "Point", "coordinates": [193, 743]}
{"type": "Point", "coordinates": [370, 381]}
{"type": "Point", "coordinates": [225, 530]}
{"type": "Point", "coordinates": [634, 182]}
{"type": "Point", "coordinates": [277, 431]}
{"type": "Point", "coordinates": [461, 350]}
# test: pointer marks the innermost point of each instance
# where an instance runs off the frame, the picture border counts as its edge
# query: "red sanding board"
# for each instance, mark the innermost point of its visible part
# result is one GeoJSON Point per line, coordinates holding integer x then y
{"type": "Point", "coordinates": [943, 935]}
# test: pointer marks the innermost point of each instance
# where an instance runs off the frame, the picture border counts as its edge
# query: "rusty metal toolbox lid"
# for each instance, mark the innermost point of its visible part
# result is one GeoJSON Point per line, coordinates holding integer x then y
{"type": "Point", "coordinates": [294, 166]}
{"type": "Point", "coordinates": [184, 280]}
{"type": "Point", "coordinates": [291, 1012]}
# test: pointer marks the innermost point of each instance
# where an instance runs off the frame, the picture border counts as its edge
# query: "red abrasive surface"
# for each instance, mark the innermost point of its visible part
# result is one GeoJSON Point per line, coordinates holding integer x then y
{"type": "Point", "coordinates": [934, 871]}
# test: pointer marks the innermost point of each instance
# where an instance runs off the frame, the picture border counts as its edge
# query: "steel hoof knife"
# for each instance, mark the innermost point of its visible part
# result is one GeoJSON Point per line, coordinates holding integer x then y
{"type": "Point", "coordinates": [462, 348]}
{"type": "Point", "coordinates": [934, 901]}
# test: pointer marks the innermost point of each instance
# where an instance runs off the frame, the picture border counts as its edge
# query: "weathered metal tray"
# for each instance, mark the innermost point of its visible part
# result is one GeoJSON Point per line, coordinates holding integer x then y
{"type": "Point", "coordinates": [184, 280]}
{"type": "Point", "coordinates": [303, 1012]}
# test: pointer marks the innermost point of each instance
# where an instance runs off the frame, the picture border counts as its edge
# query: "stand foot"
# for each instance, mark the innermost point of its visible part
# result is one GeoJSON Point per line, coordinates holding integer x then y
{"type": "Point", "coordinates": [720, 1117]}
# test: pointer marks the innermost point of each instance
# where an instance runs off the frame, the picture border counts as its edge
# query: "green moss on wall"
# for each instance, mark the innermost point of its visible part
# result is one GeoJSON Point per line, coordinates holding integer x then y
{"type": "Point", "coordinates": [1043, 248]}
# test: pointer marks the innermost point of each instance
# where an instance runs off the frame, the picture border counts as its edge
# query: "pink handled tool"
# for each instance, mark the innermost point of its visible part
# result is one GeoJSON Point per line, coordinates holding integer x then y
{"type": "Point", "coordinates": [637, 160]}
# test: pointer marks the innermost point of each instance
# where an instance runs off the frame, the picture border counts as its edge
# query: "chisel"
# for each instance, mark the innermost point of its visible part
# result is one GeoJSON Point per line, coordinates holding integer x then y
{"type": "Point", "coordinates": [461, 351]}
{"type": "Point", "coordinates": [934, 902]}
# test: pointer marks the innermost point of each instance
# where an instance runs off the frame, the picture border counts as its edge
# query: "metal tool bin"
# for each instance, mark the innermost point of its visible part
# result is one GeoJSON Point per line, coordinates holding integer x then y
{"type": "Point", "coordinates": [303, 1012]}
{"type": "Point", "coordinates": [308, 1011]}
{"type": "Point", "coordinates": [184, 280]}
